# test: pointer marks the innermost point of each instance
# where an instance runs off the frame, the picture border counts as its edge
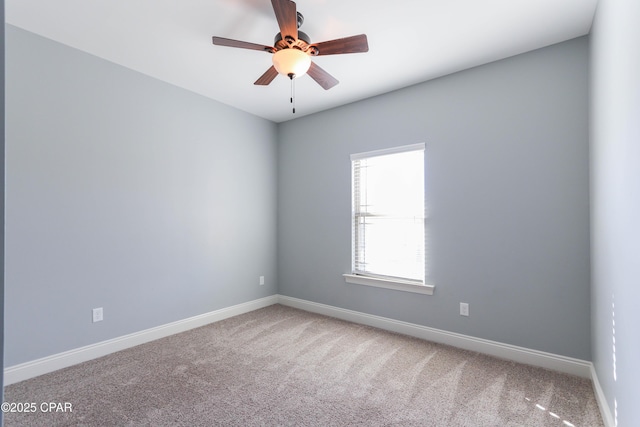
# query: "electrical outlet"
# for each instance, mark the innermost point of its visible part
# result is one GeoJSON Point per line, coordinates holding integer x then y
{"type": "Point", "coordinates": [97, 315]}
{"type": "Point", "coordinates": [464, 309]}
{"type": "Point", "coordinates": [261, 280]}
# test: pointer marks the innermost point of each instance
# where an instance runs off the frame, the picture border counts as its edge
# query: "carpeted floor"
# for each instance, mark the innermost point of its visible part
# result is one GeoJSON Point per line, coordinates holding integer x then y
{"type": "Point", "coordinates": [280, 366]}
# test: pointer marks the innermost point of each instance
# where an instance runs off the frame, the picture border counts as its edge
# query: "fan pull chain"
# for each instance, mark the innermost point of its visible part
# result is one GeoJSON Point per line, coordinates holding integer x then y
{"type": "Point", "coordinates": [293, 95]}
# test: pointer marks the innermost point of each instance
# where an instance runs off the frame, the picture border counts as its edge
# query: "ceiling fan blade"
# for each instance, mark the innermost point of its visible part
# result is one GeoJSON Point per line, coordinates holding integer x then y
{"type": "Point", "coordinates": [287, 17]}
{"type": "Point", "coordinates": [221, 41]}
{"type": "Point", "coordinates": [324, 79]}
{"type": "Point", "coordinates": [267, 77]}
{"type": "Point", "coordinates": [353, 44]}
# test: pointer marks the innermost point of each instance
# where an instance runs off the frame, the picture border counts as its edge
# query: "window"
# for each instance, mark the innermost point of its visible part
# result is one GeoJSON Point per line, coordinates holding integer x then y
{"type": "Point", "coordinates": [388, 219]}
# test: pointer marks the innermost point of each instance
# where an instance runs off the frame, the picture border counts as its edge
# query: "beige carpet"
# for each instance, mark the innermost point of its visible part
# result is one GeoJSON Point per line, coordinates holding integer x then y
{"type": "Point", "coordinates": [284, 367]}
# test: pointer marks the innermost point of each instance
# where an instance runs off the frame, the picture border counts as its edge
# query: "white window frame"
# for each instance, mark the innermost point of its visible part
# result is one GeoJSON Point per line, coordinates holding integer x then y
{"type": "Point", "coordinates": [382, 281]}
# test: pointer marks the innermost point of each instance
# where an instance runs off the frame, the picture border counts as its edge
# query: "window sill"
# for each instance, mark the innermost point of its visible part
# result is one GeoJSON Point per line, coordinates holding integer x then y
{"type": "Point", "coordinates": [398, 285]}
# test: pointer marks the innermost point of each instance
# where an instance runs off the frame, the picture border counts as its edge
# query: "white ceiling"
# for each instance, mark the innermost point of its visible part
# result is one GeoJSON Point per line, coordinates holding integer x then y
{"type": "Point", "coordinates": [410, 41]}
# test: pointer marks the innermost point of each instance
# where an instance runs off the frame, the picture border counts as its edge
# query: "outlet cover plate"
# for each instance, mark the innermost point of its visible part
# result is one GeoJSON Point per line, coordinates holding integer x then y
{"type": "Point", "coordinates": [464, 309]}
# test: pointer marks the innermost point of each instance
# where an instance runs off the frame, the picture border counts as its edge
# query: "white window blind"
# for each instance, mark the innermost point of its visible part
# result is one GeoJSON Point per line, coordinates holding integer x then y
{"type": "Point", "coordinates": [388, 213]}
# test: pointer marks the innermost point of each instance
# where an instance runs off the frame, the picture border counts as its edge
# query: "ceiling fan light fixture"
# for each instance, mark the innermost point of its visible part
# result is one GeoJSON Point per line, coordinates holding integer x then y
{"type": "Point", "coordinates": [291, 62]}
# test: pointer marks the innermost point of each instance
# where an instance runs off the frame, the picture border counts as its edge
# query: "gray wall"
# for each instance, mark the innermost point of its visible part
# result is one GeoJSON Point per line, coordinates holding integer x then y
{"type": "Point", "coordinates": [126, 193]}
{"type": "Point", "coordinates": [507, 195]}
{"type": "Point", "coordinates": [615, 178]}
{"type": "Point", "coordinates": [2, 208]}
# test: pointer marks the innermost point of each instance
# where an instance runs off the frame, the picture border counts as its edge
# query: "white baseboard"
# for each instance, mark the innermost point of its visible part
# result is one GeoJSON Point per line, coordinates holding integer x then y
{"type": "Point", "coordinates": [541, 359]}
{"type": "Point", "coordinates": [24, 371]}
{"type": "Point", "coordinates": [605, 410]}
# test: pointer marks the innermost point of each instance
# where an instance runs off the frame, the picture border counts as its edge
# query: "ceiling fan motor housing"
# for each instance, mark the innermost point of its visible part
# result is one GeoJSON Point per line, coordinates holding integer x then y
{"type": "Point", "coordinates": [303, 42]}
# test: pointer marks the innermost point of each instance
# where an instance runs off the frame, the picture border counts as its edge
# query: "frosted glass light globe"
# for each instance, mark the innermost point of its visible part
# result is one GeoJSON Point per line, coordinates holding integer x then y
{"type": "Point", "coordinates": [291, 61]}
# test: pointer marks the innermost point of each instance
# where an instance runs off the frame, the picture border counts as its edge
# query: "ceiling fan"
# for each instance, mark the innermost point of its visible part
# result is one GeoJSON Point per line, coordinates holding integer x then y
{"type": "Point", "coordinates": [292, 50]}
